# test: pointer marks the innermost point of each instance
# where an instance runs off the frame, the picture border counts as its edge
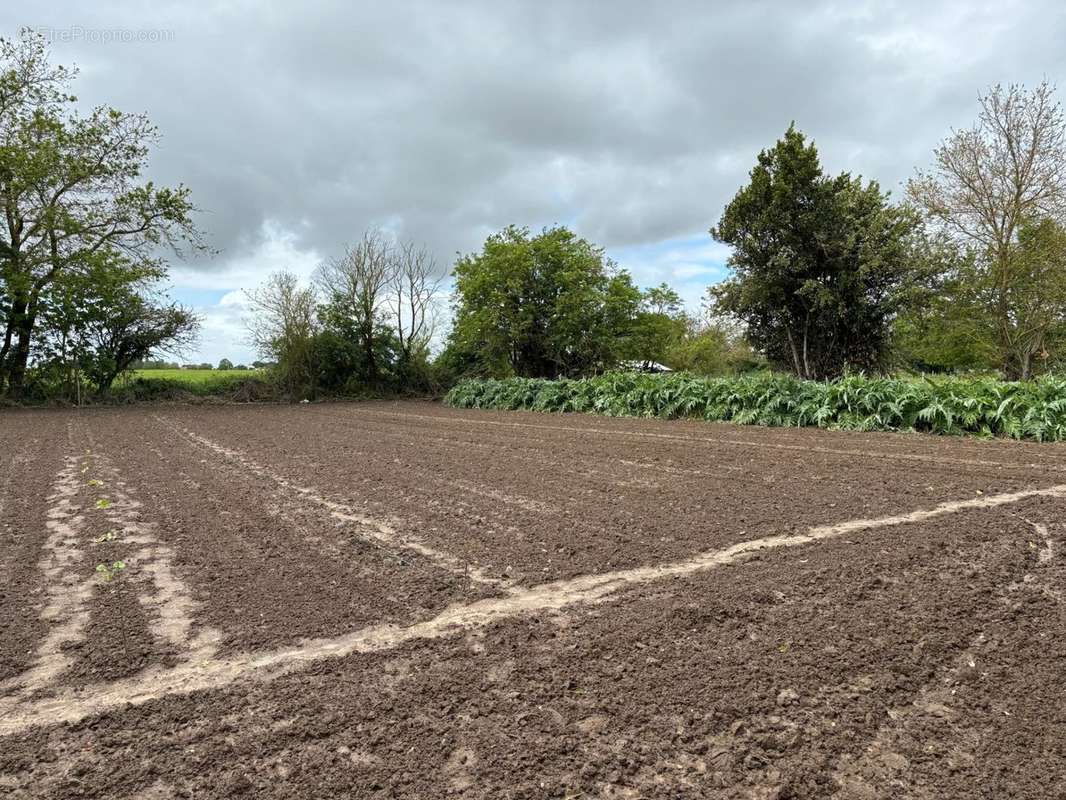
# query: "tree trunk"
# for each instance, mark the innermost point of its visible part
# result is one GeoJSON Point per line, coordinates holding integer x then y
{"type": "Point", "coordinates": [19, 356]}
{"type": "Point", "coordinates": [15, 315]}
{"type": "Point", "coordinates": [371, 362]}
{"type": "Point", "coordinates": [797, 365]}
{"type": "Point", "coordinates": [806, 363]}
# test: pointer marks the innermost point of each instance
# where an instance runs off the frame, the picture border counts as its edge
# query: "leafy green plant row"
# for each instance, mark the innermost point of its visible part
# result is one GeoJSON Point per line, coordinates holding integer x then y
{"type": "Point", "coordinates": [981, 406]}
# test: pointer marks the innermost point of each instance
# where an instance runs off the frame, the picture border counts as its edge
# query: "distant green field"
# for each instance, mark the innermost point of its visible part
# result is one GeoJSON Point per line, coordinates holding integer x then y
{"type": "Point", "coordinates": [147, 384]}
{"type": "Point", "coordinates": [192, 376]}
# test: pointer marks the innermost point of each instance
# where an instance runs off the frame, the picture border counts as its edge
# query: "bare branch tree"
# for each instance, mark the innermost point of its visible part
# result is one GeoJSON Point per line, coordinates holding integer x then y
{"type": "Point", "coordinates": [416, 287]}
{"type": "Point", "coordinates": [359, 280]}
{"type": "Point", "coordinates": [990, 181]}
{"type": "Point", "coordinates": [282, 328]}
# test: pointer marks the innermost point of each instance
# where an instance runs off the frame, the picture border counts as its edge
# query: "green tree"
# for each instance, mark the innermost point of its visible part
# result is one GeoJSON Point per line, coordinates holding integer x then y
{"type": "Point", "coordinates": [959, 328]}
{"type": "Point", "coordinates": [998, 190]}
{"type": "Point", "coordinates": [103, 319]}
{"type": "Point", "coordinates": [341, 348]}
{"type": "Point", "coordinates": [225, 363]}
{"type": "Point", "coordinates": [540, 306]}
{"type": "Point", "coordinates": [69, 188]}
{"type": "Point", "coordinates": [131, 330]}
{"type": "Point", "coordinates": [821, 265]}
{"type": "Point", "coordinates": [356, 286]}
{"type": "Point", "coordinates": [659, 326]}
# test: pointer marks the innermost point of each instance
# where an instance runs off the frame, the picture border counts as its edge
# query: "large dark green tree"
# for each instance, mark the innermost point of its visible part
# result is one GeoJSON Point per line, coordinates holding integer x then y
{"type": "Point", "coordinates": [70, 187]}
{"type": "Point", "coordinates": [540, 305]}
{"type": "Point", "coordinates": [821, 265]}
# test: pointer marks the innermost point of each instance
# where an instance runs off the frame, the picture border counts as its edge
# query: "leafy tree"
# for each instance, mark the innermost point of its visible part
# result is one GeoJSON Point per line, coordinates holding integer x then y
{"type": "Point", "coordinates": [957, 329]}
{"type": "Point", "coordinates": [103, 319]}
{"type": "Point", "coordinates": [544, 305]}
{"type": "Point", "coordinates": [659, 326]}
{"type": "Point", "coordinates": [662, 300]}
{"type": "Point", "coordinates": [225, 363]}
{"type": "Point", "coordinates": [131, 330]}
{"type": "Point", "coordinates": [341, 349]}
{"type": "Point", "coordinates": [381, 295]}
{"type": "Point", "coordinates": [998, 189]}
{"type": "Point", "coordinates": [69, 188]}
{"type": "Point", "coordinates": [821, 265]}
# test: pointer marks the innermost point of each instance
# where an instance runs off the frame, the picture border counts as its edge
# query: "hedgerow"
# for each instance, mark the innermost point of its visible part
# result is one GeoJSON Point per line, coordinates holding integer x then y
{"type": "Point", "coordinates": [981, 406]}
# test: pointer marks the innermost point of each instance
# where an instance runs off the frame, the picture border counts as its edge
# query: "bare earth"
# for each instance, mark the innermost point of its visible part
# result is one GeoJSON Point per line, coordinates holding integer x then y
{"type": "Point", "coordinates": [402, 600]}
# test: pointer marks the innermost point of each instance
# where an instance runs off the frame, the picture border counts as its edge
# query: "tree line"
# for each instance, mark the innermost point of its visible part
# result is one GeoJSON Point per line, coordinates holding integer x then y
{"type": "Point", "coordinates": [829, 274]}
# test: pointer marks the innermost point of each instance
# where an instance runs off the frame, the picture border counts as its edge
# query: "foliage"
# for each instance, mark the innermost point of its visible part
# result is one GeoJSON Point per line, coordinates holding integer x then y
{"type": "Point", "coordinates": [130, 331]}
{"type": "Point", "coordinates": [659, 326]}
{"type": "Point", "coordinates": [379, 313]}
{"type": "Point", "coordinates": [71, 188]}
{"type": "Point", "coordinates": [820, 265]}
{"type": "Point", "coordinates": [712, 350]}
{"type": "Point", "coordinates": [98, 321]}
{"type": "Point", "coordinates": [109, 572]}
{"type": "Point", "coordinates": [998, 191]}
{"type": "Point", "coordinates": [544, 305]}
{"type": "Point", "coordinates": [350, 353]}
{"type": "Point", "coordinates": [987, 407]}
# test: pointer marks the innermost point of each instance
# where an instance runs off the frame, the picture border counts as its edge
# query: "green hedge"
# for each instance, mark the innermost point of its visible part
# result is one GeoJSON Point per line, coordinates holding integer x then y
{"type": "Point", "coordinates": [982, 406]}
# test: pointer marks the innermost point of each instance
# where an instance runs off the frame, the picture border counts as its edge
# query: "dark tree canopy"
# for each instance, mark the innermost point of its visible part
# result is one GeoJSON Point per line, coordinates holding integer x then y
{"type": "Point", "coordinates": [821, 265]}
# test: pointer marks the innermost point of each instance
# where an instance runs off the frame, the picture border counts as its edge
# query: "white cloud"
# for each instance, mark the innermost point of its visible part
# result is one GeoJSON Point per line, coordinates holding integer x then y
{"type": "Point", "coordinates": [223, 330]}
{"type": "Point", "coordinates": [275, 248]}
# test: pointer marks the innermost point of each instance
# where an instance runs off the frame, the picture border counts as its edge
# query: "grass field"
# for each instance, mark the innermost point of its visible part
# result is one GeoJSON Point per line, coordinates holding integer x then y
{"type": "Point", "coordinates": [192, 376]}
{"type": "Point", "coordinates": [404, 600]}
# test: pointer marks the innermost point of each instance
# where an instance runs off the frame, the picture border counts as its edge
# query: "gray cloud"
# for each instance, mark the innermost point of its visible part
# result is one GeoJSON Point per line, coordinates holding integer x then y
{"type": "Point", "coordinates": [634, 122]}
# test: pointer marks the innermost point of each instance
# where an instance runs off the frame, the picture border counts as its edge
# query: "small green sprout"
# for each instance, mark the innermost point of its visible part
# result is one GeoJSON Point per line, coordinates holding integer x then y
{"type": "Point", "coordinates": [95, 482]}
{"type": "Point", "coordinates": [103, 502]}
{"type": "Point", "coordinates": [109, 571]}
{"type": "Point", "coordinates": [109, 536]}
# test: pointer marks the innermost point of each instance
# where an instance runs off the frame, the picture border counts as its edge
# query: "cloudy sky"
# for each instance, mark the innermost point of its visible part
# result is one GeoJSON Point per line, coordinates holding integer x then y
{"type": "Point", "coordinates": [298, 125]}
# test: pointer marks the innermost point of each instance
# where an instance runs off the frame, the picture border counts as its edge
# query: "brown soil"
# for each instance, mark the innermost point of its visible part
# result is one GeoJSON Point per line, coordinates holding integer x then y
{"type": "Point", "coordinates": [401, 600]}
